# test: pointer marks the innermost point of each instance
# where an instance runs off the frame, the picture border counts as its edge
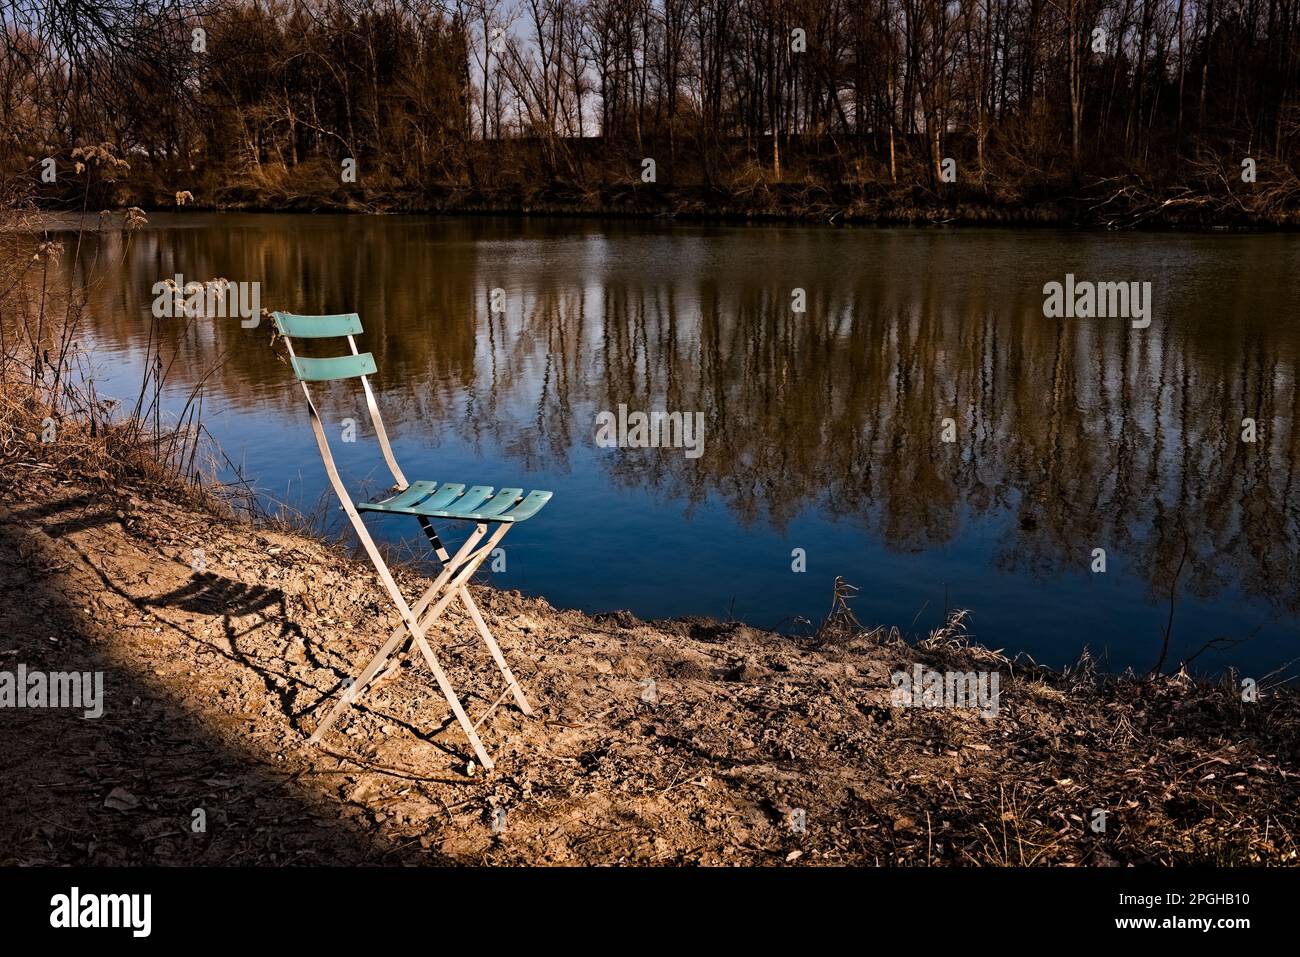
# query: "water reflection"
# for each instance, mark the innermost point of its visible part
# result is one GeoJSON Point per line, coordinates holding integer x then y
{"type": "Point", "coordinates": [1071, 434]}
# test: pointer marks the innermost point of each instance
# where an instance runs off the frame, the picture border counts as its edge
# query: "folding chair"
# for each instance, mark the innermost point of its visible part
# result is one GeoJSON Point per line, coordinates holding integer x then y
{"type": "Point", "coordinates": [493, 512]}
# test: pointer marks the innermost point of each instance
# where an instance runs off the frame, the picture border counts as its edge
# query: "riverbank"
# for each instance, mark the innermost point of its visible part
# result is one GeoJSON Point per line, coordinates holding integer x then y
{"type": "Point", "coordinates": [670, 742]}
{"type": "Point", "coordinates": [1209, 198]}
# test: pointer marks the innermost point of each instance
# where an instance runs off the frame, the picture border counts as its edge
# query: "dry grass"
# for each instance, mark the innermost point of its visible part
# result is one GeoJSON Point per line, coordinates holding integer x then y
{"type": "Point", "coordinates": [52, 419]}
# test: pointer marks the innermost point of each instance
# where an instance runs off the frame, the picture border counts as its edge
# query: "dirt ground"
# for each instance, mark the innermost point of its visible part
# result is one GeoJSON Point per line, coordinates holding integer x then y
{"type": "Point", "coordinates": [678, 742]}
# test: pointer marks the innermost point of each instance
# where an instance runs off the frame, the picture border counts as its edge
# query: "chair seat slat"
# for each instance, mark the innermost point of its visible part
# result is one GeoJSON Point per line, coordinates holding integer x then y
{"type": "Point", "coordinates": [498, 503]}
{"type": "Point", "coordinates": [470, 501]}
{"type": "Point", "coordinates": [529, 507]}
{"type": "Point", "coordinates": [416, 492]}
{"type": "Point", "coordinates": [442, 497]}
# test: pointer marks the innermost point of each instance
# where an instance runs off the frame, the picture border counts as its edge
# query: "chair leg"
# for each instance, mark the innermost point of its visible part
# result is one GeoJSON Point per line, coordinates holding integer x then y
{"type": "Point", "coordinates": [448, 583]}
{"type": "Point", "coordinates": [472, 607]}
{"type": "Point", "coordinates": [387, 648]}
{"type": "Point", "coordinates": [495, 651]}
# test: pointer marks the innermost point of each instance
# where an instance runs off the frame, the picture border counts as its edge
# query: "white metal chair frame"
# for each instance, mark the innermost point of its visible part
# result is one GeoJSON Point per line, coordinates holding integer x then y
{"type": "Point", "coordinates": [452, 582]}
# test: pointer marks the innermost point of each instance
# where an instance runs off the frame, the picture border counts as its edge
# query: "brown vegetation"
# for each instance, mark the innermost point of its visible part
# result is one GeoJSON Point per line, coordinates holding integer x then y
{"type": "Point", "coordinates": [1109, 112]}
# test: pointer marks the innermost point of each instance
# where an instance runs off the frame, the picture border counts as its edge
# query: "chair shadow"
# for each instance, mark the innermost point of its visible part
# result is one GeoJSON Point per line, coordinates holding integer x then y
{"type": "Point", "coordinates": [207, 593]}
{"type": "Point", "coordinates": [155, 752]}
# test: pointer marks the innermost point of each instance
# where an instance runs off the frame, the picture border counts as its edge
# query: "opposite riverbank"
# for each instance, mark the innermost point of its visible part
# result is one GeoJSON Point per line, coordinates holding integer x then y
{"type": "Point", "coordinates": [1212, 196]}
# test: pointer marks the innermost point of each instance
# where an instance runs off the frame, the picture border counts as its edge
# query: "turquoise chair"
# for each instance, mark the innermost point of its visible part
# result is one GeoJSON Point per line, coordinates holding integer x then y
{"type": "Point", "coordinates": [493, 512]}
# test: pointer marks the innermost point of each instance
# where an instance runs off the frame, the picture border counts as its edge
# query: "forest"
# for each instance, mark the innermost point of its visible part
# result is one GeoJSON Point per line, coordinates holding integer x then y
{"type": "Point", "coordinates": [1107, 112]}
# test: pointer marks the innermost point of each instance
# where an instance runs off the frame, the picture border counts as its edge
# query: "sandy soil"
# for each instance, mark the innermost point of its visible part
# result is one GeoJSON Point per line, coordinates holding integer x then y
{"type": "Point", "coordinates": [748, 748]}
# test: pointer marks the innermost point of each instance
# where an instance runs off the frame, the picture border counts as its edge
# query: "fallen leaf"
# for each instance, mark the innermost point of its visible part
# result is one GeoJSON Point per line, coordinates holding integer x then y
{"type": "Point", "coordinates": [120, 799]}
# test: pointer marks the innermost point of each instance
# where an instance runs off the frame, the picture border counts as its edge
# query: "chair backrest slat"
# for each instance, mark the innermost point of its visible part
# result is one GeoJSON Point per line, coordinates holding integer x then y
{"type": "Point", "coordinates": [338, 367]}
{"type": "Point", "coordinates": [344, 325]}
{"type": "Point", "coordinates": [317, 327]}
